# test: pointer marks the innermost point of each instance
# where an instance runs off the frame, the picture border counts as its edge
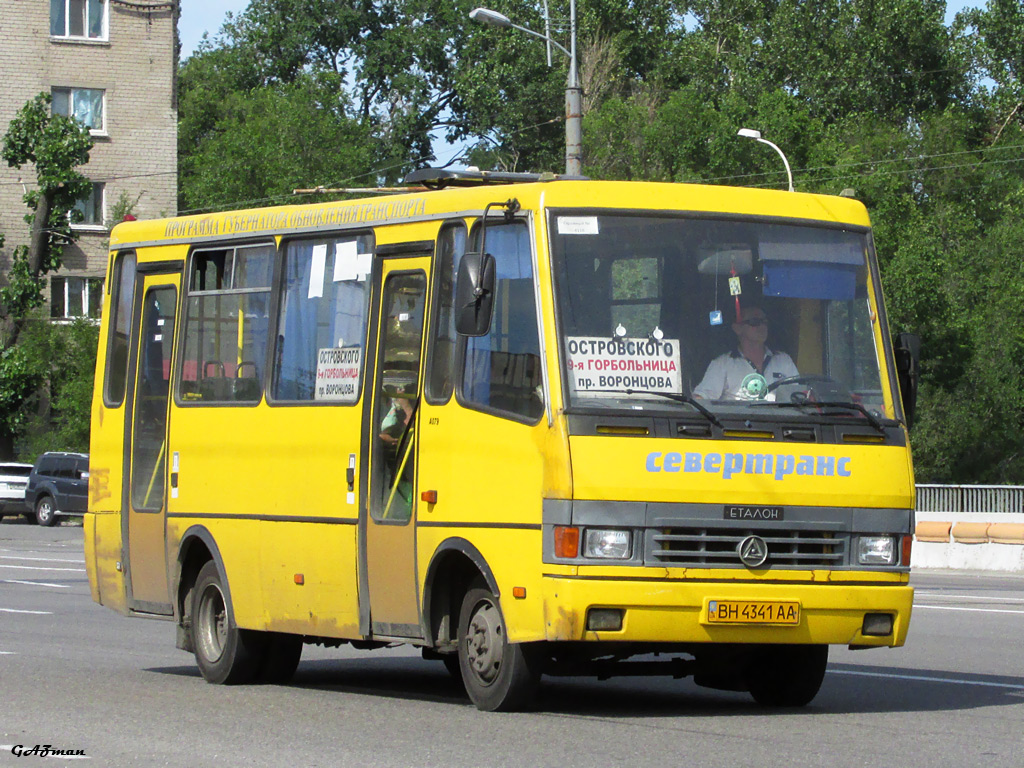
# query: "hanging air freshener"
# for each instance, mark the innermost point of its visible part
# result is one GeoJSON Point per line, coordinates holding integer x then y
{"type": "Point", "coordinates": [735, 289]}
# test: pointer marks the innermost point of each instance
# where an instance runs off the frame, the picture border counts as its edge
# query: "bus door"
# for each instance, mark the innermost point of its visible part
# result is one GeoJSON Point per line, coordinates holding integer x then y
{"type": "Point", "coordinates": [390, 530]}
{"type": "Point", "coordinates": [146, 442]}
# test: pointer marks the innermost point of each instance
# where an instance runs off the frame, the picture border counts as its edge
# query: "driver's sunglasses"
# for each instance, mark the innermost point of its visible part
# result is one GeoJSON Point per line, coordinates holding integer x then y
{"type": "Point", "coordinates": [755, 322]}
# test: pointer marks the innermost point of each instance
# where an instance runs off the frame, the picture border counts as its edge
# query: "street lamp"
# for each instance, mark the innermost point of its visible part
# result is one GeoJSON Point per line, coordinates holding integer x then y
{"type": "Point", "coordinates": [750, 133]}
{"type": "Point", "coordinates": [573, 92]}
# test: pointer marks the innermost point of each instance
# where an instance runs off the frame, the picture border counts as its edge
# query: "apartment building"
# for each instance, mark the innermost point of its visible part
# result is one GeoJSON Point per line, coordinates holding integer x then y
{"type": "Point", "coordinates": [111, 64]}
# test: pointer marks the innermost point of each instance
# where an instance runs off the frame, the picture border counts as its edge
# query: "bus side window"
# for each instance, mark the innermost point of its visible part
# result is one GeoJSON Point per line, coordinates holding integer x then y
{"type": "Point", "coordinates": [123, 288]}
{"type": "Point", "coordinates": [503, 369]}
{"type": "Point", "coordinates": [325, 299]}
{"type": "Point", "coordinates": [226, 324]}
{"type": "Point", "coordinates": [451, 244]}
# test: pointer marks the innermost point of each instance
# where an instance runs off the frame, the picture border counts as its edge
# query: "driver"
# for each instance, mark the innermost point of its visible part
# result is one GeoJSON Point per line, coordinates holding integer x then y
{"type": "Point", "coordinates": [728, 376]}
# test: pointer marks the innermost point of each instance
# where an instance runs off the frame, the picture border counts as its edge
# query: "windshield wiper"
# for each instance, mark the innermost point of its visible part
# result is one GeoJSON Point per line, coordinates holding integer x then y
{"type": "Point", "coordinates": [680, 398]}
{"type": "Point", "coordinates": [871, 418]}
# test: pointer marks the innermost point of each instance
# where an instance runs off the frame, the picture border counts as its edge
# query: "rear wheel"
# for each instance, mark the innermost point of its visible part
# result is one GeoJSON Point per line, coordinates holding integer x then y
{"type": "Point", "coordinates": [498, 675]}
{"type": "Point", "coordinates": [225, 654]}
{"type": "Point", "coordinates": [46, 513]}
{"type": "Point", "coordinates": [786, 675]}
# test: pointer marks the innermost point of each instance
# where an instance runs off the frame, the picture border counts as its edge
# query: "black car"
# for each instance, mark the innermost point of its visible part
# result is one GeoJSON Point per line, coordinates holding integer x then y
{"type": "Point", "coordinates": [58, 485]}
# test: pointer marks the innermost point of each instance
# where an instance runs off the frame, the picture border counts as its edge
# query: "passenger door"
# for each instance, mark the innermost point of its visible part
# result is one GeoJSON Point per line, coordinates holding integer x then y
{"type": "Point", "coordinates": [390, 518]}
{"type": "Point", "coordinates": [145, 497]}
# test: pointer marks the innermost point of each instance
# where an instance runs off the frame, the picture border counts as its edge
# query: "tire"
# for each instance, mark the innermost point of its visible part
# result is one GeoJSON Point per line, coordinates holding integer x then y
{"type": "Point", "coordinates": [786, 675]}
{"type": "Point", "coordinates": [498, 675]}
{"type": "Point", "coordinates": [46, 513]}
{"type": "Point", "coordinates": [281, 655]}
{"type": "Point", "coordinates": [225, 654]}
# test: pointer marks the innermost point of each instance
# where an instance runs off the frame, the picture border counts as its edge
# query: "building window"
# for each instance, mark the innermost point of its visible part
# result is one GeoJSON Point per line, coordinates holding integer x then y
{"type": "Point", "coordinates": [83, 104]}
{"type": "Point", "coordinates": [90, 208]}
{"type": "Point", "coordinates": [79, 18]}
{"type": "Point", "coordinates": [75, 297]}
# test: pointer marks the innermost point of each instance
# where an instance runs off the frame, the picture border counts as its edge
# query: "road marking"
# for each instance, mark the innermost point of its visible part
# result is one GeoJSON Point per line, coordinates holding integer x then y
{"type": "Point", "coordinates": [17, 610]}
{"type": "Point", "coordinates": [6, 653]}
{"type": "Point", "coordinates": [10, 748]}
{"type": "Point", "coordinates": [49, 560]}
{"type": "Point", "coordinates": [971, 610]}
{"type": "Point", "coordinates": [928, 679]}
{"type": "Point", "coordinates": [41, 568]}
{"type": "Point", "coordinates": [34, 583]}
{"type": "Point", "coordinates": [934, 595]}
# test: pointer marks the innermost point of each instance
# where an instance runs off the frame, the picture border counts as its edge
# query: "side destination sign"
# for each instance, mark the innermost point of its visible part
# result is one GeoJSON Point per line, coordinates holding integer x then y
{"type": "Point", "coordinates": [273, 220]}
{"type": "Point", "coordinates": [728, 465]}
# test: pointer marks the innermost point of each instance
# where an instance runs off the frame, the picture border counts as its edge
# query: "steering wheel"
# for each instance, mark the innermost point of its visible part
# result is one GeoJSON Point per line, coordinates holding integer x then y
{"type": "Point", "coordinates": [806, 378]}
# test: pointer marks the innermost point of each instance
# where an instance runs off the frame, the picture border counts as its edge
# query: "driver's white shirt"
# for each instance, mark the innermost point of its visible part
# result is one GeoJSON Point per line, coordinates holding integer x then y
{"type": "Point", "coordinates": [726, 372]}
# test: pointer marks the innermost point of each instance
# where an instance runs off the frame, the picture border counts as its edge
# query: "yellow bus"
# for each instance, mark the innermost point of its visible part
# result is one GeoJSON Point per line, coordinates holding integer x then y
{"type": "Point", "coordinates": [533, 426]}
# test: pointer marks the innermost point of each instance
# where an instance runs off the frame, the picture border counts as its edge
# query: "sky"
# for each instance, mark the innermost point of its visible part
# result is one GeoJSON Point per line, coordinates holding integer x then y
{"type": "Point", "coordinates": [199, 16]}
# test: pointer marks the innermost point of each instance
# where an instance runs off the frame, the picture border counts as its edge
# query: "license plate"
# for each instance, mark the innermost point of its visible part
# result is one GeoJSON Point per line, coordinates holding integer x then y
{"type": "Point", "coordinates": [753, 612]}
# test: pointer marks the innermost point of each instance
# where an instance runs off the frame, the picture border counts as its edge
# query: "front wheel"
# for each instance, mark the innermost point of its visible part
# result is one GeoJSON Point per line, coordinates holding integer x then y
{"type": "Point", "coordinates": [46, 513]}
{"type": "Point", "coordinates": [498, 675]}
{"type": "Point", "coordinates": [225, 654]}
{"type": "Point", "coordinates": [786, 675]}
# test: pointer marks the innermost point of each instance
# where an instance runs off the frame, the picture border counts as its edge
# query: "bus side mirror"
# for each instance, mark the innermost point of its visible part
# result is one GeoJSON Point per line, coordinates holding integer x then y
{"type": "Point", "coordinates": [908, 358]}
{"type": "Point", "coordinates": [474, 294]}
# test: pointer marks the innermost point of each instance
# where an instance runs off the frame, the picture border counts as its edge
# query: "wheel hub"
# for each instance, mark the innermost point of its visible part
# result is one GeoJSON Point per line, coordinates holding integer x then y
{"type": "Point", "coordinates": [213, 625]}
{"type": "Point", "coordinates": [485, 642]}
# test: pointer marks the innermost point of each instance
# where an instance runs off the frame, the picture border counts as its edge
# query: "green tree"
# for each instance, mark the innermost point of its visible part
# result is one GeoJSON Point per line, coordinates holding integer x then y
{"type": "Point", "coordinates": [923, 122]}
{"type": "Point", "coordinates": [56, 146]}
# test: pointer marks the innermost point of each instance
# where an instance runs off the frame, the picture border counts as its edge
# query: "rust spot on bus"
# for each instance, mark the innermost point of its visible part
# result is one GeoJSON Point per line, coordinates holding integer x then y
{"type": "Point", "coordinates": [563, 626]}
{"type": "Point", "coordinates": [99, 485]}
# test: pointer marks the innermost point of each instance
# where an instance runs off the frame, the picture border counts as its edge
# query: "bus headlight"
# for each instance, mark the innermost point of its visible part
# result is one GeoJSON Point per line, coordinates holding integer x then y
{"type": "Point", "coordinates": [607, 544]}
{"type": "Point", "coordinates": [876, 550]}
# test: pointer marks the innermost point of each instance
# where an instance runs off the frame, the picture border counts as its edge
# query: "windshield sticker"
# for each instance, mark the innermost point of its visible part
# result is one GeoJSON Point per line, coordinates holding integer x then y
{"type": "Point", "coordinates": [605, 367]}
{"type": "Point", "coordinates": [728, 465]}
{"type": "Point", "coordinates": [577, 225]}
{"type": "Point", "coordinates": [317, 269]}
{"type": "Point", "coordinates": [337, 374]}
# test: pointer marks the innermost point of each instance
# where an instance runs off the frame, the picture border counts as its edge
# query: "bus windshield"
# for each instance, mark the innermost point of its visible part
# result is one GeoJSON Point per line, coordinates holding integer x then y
{"type": "Point", "coordinates": [726, 317]}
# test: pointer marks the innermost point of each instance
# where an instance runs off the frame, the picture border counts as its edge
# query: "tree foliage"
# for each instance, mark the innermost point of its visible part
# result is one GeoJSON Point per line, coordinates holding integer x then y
{"type": "Point", "coordinates": [55, 146]}
{"type": "Point", "coordinates": [924, 121]}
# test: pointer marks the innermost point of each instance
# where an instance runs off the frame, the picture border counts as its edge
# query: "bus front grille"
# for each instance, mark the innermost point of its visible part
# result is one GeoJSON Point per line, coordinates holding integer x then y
{"type": "Point", "coordinates": [718, 547]}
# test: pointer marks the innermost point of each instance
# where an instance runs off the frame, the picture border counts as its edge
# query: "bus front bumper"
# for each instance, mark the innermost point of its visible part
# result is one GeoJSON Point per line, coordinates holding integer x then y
{"type": "Point", "coordinates": [657, 611]}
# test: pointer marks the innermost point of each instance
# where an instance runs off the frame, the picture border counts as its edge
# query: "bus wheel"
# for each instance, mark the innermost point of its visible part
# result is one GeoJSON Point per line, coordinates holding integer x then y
{"type": "Point", "coordinates": [786, 675]}
{"type": "Point", "coordinates": [280, 658]}
{"type": "Point", "coordinates": [224, 653]}
{"type": "Point", "coordinates": [45, 513]}
{"type": "Point", "coordinates": [498, 675]}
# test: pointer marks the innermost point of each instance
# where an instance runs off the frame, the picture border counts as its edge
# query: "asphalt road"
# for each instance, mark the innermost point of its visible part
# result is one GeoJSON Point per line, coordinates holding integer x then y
{"type": "Point", "coordinates": [76, 676]}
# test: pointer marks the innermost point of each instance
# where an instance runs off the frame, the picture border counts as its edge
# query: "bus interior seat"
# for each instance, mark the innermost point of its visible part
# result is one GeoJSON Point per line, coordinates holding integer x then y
{"type": "Point", "coordinates": [245, 387]}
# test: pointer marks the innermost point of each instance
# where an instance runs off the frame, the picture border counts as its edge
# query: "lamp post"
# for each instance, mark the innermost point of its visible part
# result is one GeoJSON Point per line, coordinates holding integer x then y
{"type": "Point", "coordinates": [750, 133]}
{"type": "Point", "coordinates": [573, 91]}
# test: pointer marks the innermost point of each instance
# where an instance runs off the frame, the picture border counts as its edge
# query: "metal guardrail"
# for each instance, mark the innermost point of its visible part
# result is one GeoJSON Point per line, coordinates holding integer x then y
{"type": "Point", "coordinates": [970, 498]}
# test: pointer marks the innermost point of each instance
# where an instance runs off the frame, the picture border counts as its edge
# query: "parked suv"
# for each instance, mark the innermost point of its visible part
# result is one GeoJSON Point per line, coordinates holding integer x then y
{"type": "Point", "coordinates": [13, 479]}
{"type": "Point", "coordinates": [58, 485]}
